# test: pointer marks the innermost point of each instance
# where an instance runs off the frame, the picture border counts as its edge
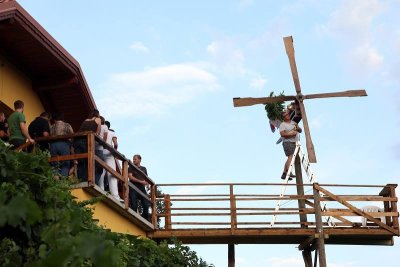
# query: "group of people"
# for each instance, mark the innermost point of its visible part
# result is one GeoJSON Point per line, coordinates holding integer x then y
{"type": "Point", "coordinates": [15, 131]}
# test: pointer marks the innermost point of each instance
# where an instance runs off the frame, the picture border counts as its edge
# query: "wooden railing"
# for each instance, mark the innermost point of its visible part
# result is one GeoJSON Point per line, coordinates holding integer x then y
{"type": "Point", "coordinates": [231, 206]}
{"type": "Point", "coordinates": [121, 173]}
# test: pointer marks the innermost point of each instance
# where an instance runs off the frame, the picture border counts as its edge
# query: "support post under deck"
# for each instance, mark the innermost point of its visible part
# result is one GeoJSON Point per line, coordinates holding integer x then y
{"type": "Point", "coordinates": [231, 255]}
{"type": "Point", "coordinates": [302, 205]}
{"type": "Point", "coordinates": [319, 228]}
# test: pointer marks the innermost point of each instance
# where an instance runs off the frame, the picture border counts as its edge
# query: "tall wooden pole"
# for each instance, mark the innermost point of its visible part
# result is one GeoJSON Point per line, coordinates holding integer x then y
{"type": "Point", "coordinates": [231, 255]}
{"type": "Point", "coordinates": [300, 190]}
{"type": "Point", "coordinates": [319, 228]}
{"type": "Point", "coordinates": [302, 205]}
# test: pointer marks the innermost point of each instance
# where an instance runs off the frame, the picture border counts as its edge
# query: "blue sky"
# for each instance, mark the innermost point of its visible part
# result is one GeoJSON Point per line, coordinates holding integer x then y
{"type": "Point", "coordinates": [165, 72]}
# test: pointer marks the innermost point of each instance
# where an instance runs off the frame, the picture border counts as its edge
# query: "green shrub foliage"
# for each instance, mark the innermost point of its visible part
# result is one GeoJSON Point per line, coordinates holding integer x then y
{"type": "Point", "coordinates": [42, 225]}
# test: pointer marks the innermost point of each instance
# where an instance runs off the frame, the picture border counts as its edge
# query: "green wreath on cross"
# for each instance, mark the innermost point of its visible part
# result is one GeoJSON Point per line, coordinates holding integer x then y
{"type": "Point", "coordinates": [274, 110]}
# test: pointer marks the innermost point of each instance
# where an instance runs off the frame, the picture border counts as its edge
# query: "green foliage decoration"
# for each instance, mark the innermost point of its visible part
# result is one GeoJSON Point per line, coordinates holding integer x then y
{"type": "Point", "coordinates": [274, 110]}
{"type": "Point", "coordinates": [42, 225]}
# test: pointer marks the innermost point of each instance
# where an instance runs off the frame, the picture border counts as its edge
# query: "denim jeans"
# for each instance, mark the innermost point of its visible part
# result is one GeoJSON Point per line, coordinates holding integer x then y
{"type": "Point", "coordinates": [61, 148]}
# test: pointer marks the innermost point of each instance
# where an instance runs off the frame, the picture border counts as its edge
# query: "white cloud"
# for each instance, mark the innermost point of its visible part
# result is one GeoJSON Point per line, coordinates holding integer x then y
{"type": "Point", "coordinates": [353, 19]}
{"type": "Point", "coordinates": [155, 90]}
{"type": "Point", "coordinates": [366, 57]}
{"type": "Point", "coordinates": [258, 83]}
{"type": "Point", "coordinates": [354, 25]}
{"type": "Point", "coordinates": [226, 56]}
{"type": "Point", "coordinates": [139, 47]}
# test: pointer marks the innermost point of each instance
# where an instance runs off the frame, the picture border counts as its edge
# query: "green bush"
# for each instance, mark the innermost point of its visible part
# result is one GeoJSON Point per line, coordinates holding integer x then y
{"type": "Point", "coordinates": [42, 225]}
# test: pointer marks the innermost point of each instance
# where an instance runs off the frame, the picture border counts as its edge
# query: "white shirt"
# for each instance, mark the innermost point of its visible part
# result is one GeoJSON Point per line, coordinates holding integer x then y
{"type": "Point", "coordinates": [287, 127]}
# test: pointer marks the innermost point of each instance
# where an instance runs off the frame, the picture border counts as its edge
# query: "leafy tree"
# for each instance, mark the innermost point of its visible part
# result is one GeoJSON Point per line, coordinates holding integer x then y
{"type": "Point", "coordinates": [42, 225]}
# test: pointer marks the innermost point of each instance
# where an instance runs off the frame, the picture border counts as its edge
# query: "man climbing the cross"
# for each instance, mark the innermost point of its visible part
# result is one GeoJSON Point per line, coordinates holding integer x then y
{"type": "Point", "coordinates": [289, 131]}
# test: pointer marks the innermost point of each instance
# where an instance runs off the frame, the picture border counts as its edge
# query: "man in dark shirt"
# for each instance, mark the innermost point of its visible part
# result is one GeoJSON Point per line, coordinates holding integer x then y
{"type": "Point", "coordinates": [3, 127]}
{"type": "Point", "coordinates": [138, 180]}
{"type": "Point", "coordinates": [40, 127]}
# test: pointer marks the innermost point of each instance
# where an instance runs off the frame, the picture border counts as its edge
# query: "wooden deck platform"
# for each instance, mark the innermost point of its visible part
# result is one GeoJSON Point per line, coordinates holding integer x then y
{"type": "Point", "coordinates": [229, 214]}
{"type": "Point", "coordinates": [342, 236]}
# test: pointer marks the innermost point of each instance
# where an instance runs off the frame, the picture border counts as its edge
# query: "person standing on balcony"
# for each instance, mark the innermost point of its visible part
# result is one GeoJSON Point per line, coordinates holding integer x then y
{"type": "Point", "coordinates": [91, 124]}
{"type": "Point", "coordinates": [111, 139]}
{"type": "Point", "coordinates": [40, 127]}
{"type": "Point", "coordinates": [17, 130]}
{"type": "Point", "coordinates": [140, 183]}
{"type": "Point", "coordinates": [289, 131]}
{"type": "Point", "coordinates": [3, 127]}
{"type": "Point", "coordinates": [61, 147]}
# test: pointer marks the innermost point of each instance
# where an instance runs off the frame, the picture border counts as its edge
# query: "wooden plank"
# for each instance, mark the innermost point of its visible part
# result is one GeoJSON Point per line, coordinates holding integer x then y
{"type": "Point", "coordinates": [168, 221]}
{"type": "Point", "coordinates": [91, 155]}
{"type": "Point", "coordinates": [393, 205]}
{"type": "Point", "coordinates": [69, 157]}
{"type": "Point", "coordinates": [125, 183]}
{"type": "Point", "coordinates": [250, 101]}
{"type": "Point", "coordinates": [312, 158]}
{"type": "Point", "coordinates": [352, 213]}
{"type": "Point", "coordinates": [153, 193]}
{"type": "Point", "coordinates": [358, 211]}
{"type": "Point", "coordinates": [360, 198]}
{"type": "Point", "coordinates": [288, 41]}
{"type": "Point", "coordinates": [348, 93]}
{"type": "Point", "coordinates": [233, 208]}
{"type": "Point", "coordinates": [386, 190]}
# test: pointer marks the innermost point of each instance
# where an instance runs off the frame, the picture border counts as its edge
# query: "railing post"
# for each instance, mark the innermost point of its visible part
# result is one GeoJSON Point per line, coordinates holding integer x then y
{"type": "Point", "coordinates": [233, 208]}
{"type": "Point", "coordinates": [126, 183]}
{"type": "Point", "coordinates": [90, 159]}
{"type": "Point", "coordinates": [167, 212]}
{"type": "Point", "coordinates": [153, 193]}
{"type": "Point", "coordinates": [393, 205]}
{"type": "Point", "coordinates": [319, 228]}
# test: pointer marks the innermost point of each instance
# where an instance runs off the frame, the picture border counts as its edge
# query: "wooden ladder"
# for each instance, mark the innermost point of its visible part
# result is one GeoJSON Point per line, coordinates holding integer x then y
{"type": "Point", "coordinates": [311, 177]}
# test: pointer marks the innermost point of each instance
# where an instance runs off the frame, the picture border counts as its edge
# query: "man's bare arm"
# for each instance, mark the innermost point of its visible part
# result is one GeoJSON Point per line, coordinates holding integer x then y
{"type": "Point", "coordinates": [25, 132]}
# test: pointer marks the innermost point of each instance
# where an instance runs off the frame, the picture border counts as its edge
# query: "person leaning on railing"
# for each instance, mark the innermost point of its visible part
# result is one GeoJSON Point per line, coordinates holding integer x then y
{"type": "Point", "coordinates": [40, 127]}
{"type": "Point", "coordinates": [140, 184]}
{"type": "Point", "coordinates": [61, 147]}
{"type": "Point", "coordinates": [91, 124]}
{"type": "Point", "coordinates": [17, 130]}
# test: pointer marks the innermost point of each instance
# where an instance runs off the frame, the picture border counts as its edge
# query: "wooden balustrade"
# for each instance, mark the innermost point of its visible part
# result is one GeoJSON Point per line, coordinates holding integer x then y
{"type": "Point", "coordinates": [230, 207]}
{"type": "Point", "coordinates": [93, 159]}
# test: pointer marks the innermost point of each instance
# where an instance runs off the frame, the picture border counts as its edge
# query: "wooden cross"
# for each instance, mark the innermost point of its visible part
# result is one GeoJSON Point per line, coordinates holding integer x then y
{"type": "Point", "coordinates": [298, 98]}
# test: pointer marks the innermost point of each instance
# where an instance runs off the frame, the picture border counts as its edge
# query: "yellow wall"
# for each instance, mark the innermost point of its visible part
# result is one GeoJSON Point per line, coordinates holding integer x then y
{"type": "Point", "coordinates": [108, 217]}
{"type": "Point", "coordinates": [14, 85]}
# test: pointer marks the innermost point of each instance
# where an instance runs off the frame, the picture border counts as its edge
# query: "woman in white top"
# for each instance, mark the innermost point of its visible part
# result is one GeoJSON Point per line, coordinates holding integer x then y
{"type": "Point", "coordinates": [111, 139]}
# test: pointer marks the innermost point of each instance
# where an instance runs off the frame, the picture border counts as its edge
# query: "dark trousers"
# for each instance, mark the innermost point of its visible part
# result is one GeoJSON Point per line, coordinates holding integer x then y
{"type": "Point", "coordinates": [134, 197]}
{"type": "Point", "coordinates": [61, 148]}
{"type": "Point", "coordinates": [16, 143]}
{"type": "Point", "coordinates": [80, 146]}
